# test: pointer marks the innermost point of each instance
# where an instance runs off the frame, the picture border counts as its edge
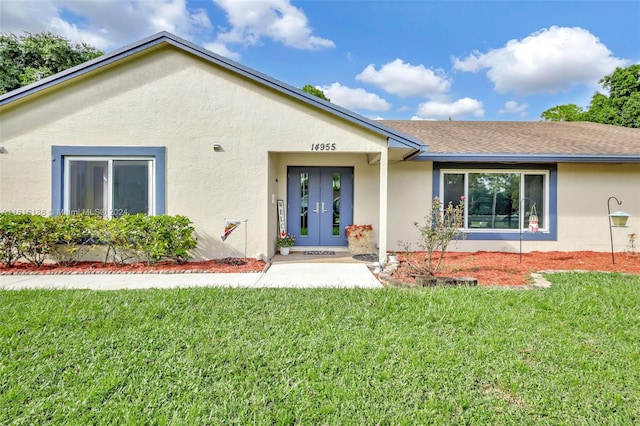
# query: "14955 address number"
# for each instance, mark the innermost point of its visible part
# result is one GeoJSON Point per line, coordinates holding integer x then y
{"type": "Point", "coordinates": [323, 147]}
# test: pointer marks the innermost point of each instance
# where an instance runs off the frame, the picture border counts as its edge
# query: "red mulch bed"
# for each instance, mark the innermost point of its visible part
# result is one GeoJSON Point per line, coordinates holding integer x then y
{"type": "Point", "coordinates": [505, 269]}
{"type": "Point", "coordinates": [227, 265]}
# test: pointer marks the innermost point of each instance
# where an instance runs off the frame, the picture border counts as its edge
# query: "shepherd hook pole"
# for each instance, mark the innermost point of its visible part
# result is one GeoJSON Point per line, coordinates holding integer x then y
{"type": "Point", "coordinates": [613, 256]}
{"type": "Point", "coordinates": [520, 225]}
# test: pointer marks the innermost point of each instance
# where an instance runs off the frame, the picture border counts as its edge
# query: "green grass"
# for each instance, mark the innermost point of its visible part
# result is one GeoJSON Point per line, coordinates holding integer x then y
{"type": "Point", "coordinates": [566, 355]}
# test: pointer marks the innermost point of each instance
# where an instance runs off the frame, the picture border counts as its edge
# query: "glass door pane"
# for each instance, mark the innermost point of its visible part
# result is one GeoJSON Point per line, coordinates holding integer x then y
{"type": "Point", "coordinates": [336, 203]}
{"type": "Point", "coordinates": [87, 187]}
{"type": "Point", "coordinates": [534, 190]}
{"type": "Point", "coordinates": [304, 204]}
{"type": "Point", "coordinates": [493, 200]}
{"type": "Point", "coordinates": [130, 187]}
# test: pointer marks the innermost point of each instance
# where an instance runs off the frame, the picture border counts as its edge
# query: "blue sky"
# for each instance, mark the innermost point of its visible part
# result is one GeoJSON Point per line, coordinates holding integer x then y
{"type": "Point", "coordinates": [465, 60]}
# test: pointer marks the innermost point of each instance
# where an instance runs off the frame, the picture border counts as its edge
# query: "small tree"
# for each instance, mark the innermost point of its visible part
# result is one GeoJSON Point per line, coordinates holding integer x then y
{"type": "Point", "coordinates": [441, 226]}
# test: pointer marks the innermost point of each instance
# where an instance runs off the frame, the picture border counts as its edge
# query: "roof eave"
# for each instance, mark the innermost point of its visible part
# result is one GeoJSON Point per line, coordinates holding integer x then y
{"type": "Point", "coordinates": [529, 158]}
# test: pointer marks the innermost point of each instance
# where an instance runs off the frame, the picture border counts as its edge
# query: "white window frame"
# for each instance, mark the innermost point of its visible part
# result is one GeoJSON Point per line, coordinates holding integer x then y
{"type": "Point", "coordinates": [109, 193]}
{"type": "Point", "coordinates": [521, 218]}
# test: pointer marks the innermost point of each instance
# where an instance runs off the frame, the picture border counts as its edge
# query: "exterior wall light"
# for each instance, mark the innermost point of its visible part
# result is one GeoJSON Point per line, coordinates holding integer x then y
{"type": "Point", "coordinates": [217, 148]}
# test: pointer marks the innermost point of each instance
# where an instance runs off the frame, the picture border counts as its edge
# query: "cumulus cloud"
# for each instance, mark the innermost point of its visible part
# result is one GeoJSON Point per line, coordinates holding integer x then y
{"type": "Point", "coordinates": [406, 80]}
{"type": "Point", "coordinates": [104, 24]}
{"type": "Point", "coordinates": [275, 19]}
{"type": "Point", "coordinates": [512, 107]}
{"type": "Point", "coordinates": [548, 61]}
{"type": "Point", "coordinates": [461, 108]}
{"type": "Point", "coordinates": [349, 98]}
{"type": "Point", "coordinates": [108, 24]}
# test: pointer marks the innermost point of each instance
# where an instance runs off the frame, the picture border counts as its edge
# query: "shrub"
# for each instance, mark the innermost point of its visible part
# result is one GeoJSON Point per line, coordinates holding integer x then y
{"type": "Point", "coordinates": [9, 238]}
{"type": "Point", "coordinates": [441, 226]}
{"type": "Point", "coordinates": [74, 236]}
{"type": "Point", "coordinates": [35, 237]}
{"type": "Point", "coordinates": [156, 238]}
{"type": "Point", "coordinates": [67, 238]}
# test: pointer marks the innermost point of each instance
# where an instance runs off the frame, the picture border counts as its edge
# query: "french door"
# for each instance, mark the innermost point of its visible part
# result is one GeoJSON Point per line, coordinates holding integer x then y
{"type": "Point", "coordinates": [319, 204]}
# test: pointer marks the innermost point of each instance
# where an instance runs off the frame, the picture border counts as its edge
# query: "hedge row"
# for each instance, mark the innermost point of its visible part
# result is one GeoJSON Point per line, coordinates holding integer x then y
{"type": "Point", "coordinates": [65, 239]}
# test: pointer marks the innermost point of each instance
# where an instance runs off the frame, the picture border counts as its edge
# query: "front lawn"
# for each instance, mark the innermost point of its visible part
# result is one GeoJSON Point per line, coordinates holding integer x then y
{"type": "Point", "coordinates": [566, 355]}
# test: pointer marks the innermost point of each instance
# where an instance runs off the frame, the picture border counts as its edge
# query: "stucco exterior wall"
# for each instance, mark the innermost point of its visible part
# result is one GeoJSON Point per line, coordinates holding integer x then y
{"type": "Point", "coordinates": [166, 97]}
{"type": "Point", "coordinates": [583, 191]}
{"type": "Point", "coordinates": [410, 197]}
{"type": "Point", "coordinates": [582, 194]}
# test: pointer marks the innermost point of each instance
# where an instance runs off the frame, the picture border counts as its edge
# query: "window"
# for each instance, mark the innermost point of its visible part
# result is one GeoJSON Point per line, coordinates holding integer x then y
{"type": "Point", "coordinates": [109, 187]}
{"type": "Point", "coordinates": [499, 200]}
{"type": "Point", "coordinates": [493, 198]}
{"type": "Point", "coordinates": [109, 181]}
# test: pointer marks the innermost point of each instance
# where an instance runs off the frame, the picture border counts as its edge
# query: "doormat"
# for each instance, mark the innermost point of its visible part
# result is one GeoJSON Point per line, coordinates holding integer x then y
{"type": "Point", "coordinates": [320, 253]}
{"type": "Point", "coordinates": [369, 257]}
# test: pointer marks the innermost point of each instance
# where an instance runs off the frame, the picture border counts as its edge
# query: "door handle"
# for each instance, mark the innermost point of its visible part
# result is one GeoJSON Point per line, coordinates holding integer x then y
{"type": "Point", "coordinates": [317, 210]}
{"type": "Point", "coordinates": [323, 209]}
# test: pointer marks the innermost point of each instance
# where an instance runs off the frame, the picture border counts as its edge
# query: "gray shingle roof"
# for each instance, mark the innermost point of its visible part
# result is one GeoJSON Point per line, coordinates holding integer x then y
{"type": "Point", "coordinates": [509, 138]}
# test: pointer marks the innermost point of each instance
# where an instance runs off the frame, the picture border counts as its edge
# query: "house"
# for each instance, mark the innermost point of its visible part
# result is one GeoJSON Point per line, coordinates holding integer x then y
{"type": "Point", "coordinates": [166, 127]}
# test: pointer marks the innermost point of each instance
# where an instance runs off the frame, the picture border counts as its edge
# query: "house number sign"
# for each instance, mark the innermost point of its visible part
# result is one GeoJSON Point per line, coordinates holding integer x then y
{"type": "Point", "coordinates": [323, 147]}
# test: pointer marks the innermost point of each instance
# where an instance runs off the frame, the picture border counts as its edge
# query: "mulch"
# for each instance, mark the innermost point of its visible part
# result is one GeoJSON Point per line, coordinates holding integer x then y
{"type": "Point", "coordinates": [489, 268]}
{"type": "Point", "coordinates": [226, 265]}
{"type": "Point", "coordinates": [505, 269]}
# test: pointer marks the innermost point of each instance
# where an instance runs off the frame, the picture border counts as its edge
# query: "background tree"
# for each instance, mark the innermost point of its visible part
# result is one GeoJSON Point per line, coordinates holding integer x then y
{"type": "Point", "coordinates": [315, 92]}
{"type": "Point", "coordinates": [620, 108]}
{"type": "Point", "coordinates": [569, 112]}
{"type": "Point", "coordinates": [30, 57]}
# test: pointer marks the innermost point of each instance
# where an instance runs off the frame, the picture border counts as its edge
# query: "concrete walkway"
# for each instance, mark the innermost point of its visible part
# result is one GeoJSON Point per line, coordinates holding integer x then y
{"type": "Point", "coordinates": [280, 275]}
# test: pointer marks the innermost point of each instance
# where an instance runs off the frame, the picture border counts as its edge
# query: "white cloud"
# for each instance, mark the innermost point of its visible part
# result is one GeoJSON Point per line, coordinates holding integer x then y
{"type": "Point", "coordinates": [512, 107]}
{"type": "Point", "coordinates": [275, 19]}
{"type": "Point", "coordinates": [105, 24]}
{"type": "Point", "coordinates": [222, 50]}
{"type": "Point", "coordinates": [109, 24]}
{"type": "Point", "coordinates": [349, 98]}
{"type": "Point", "coordinates": [406, 80]}
{"type": "Point", "coordinates": [461, 108]}
{"type": "Point", "coordinates": [548, 61]}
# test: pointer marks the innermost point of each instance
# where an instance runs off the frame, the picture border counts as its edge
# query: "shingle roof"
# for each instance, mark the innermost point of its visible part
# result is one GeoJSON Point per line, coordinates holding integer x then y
{"type": "Point", "coordinates": [509, 138]}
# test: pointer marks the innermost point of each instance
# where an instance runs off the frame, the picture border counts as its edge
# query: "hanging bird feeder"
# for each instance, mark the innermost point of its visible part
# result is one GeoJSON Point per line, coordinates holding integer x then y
{"type": "Point", "coordinates": [533, 219]}
{"type": "Point", "coordinates": [619, 219]}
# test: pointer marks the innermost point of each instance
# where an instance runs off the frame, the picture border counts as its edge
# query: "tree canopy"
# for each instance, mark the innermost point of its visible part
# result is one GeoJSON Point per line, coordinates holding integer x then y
{"type": "Point", "coordinates": [315, 91]}
{"type": "Point", "coordinates": [28, 58]}
{"type": "Point", "coordinates": [569, 112]}
{"type": "Point", "coordinates": [620, 108]}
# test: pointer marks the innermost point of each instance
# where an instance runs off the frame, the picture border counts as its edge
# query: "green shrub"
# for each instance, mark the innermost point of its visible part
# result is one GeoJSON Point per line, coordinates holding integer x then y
{"type": "Point", "coordinates": [35, 237]}
{"type": "Point", "coordinates": [74, 236]}
{"type": "Point", "coordinates": [9, 239]}
{"type": "Point", "coordinates": [67, 238]}
{"type": "Point", "coordinates": [120, 246]}
{"type": "Point", "coordinates": [157, 238]}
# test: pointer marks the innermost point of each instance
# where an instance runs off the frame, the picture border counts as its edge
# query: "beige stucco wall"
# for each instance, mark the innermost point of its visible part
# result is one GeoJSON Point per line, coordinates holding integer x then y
{"type": "Point", "coordinates": [583, 191]}
{"type": "Point", "coordinates": [169, 98]}
{"type": "Point", "coordinates": [409, 201]}
{"type": "Point", "coordinates": [582, 194]}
